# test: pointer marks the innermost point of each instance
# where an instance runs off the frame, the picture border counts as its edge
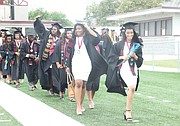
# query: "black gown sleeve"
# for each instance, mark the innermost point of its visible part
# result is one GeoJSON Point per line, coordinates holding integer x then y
{"type": "Point", "coordinates": [10, 51]}
{"type": "Point", "coordinates": [39, 28]}
{"type": "Point", "coordinates": [139, 62]}
{"type": "Point", "coordinates": [56, 55]}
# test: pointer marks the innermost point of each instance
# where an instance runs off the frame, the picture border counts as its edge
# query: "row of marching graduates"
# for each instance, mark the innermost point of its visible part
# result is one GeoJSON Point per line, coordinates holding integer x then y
{"type": "Point", "coordinates": [14, 61]}
{"type": "Point", "coordinates": [27, 55]}
{"type": "Point", "coordinates": [78, 52]}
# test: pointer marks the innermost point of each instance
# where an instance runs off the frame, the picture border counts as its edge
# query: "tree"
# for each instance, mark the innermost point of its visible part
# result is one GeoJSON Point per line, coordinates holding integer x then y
{"type": "Point", "coordinates": [101, 11]}
{"type": "Point", "coordinates": [59, 16]}
{"type": "Point", "coordinates": [39, 11]}
{"type": "Point", "coordinates": [135, 5]}
{"type": "Point", "coordinates": [111, 7]}
{"type": "Point", "coordinates": [52, 16]}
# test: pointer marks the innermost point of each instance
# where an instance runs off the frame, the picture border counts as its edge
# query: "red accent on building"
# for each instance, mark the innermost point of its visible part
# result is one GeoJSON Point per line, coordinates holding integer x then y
{"type": "Point", "coordinates": [1, 2]}
{"type": "Point", "coordinates": [17, 3]}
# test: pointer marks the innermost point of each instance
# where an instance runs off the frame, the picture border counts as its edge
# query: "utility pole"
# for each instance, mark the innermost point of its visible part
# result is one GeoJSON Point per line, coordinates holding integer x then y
{"type": "Point", "coordinates": [12, 9]}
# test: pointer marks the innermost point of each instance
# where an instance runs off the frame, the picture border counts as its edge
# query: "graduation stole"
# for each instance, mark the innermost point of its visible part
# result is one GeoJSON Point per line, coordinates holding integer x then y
{"type": "Point", "coordinates": [46, 51]}
{"type": "Point", "coordinates": [3, 40]}
{"type": "Point", "coordinates": [69, 47]}
{"type": "Point", "coordinates": [32, 48]}
{"type": "Point", "coordinates": [5, 49]}
{"type": "Point", "coordinates": [63, 51]}
{"type": "Point", "coordinates": [130, 61]}
{"type": "Point", "coordinates": [16, 48]}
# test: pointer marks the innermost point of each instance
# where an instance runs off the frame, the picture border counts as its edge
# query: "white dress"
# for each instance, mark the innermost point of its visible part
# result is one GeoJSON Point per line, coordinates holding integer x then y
{"type": "Point", "coordinates": [81, 63]}
{"type": "Point", "coordinates": [125, 71]}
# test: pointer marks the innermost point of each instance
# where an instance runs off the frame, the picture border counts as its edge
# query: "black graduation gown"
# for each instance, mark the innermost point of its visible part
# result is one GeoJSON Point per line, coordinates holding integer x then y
{"type": "Point", "coordinates": [99, 65]}
{"type": "Point", "coordinates": [6, 70]}
{"type": "Point", "coordinates": [113, 82]}
{"type": "Point", "coordinates": [93, 85]}
{"type": "Point", "coordinates": [44, 65]}
{"type": "Point", "coordinates": [31, 66]}
{"type": "Point", "coordinates": [107, 44]}
{"type": "Point", "coordinates": [61, 75]}
{"type": "Point", "coordinates": [17, 68]}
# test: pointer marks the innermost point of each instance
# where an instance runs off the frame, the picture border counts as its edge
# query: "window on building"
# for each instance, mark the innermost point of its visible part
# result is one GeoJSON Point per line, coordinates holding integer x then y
{"type": "Point", "coordinates": [141, 32]}
{"type": "Point", "coordinates": [158, 28]}
{"type": "Point", "coordinates": [146, 29]}
{"type": "Point", "coordinates": [151, 28]}
{"type": "Point", "coordinates": [169, 27]}
{"type": "Point", "coordinates": [163, 27]}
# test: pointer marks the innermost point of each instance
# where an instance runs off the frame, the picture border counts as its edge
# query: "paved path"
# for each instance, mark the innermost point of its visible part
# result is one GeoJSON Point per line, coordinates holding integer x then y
{"type": "Point", "coordinates": [160, 69]}
{"type": "Point", "coordinates": [23, 107]}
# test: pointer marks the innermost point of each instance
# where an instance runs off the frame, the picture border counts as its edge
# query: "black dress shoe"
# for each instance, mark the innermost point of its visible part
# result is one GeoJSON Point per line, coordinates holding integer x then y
{"type": "Point", "coordinates": [61, 97]}
{"type": "Point", "coordinates": [129, 119]}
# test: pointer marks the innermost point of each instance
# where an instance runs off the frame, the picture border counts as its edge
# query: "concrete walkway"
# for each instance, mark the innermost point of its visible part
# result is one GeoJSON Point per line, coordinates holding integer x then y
{"type": "Point", "coordinates": [23, 107]}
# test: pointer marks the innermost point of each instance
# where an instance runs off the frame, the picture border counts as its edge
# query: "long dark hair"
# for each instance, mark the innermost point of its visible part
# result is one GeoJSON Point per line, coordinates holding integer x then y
{"type": "Point", "coordinates": [74, 31]}
{"type": "Point", "coordinates": [58, 31]}
{"type": "Point", "coordinates": [134, 39]}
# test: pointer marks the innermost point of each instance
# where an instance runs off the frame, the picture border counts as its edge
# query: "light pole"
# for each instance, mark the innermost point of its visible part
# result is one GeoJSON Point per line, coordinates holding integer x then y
{"type": "Point", "coordinates": [12, 9]}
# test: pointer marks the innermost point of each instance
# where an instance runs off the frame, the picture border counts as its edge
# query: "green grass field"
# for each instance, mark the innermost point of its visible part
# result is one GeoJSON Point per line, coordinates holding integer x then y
{"type": "Point", "coordinates": [156, 103]}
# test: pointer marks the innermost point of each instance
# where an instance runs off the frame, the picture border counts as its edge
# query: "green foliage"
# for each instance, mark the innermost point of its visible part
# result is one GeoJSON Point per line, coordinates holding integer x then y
{"type": "Point", "coordinates": [111, 7]}
{"type": "Point", "coordinates": [134, 5]}
{"type": "Point", "coordinates": [101, 11]}
{"type": "Point", "coordinates": [53, 16]}
{"type": "Point", "coordinates": [39, 11]}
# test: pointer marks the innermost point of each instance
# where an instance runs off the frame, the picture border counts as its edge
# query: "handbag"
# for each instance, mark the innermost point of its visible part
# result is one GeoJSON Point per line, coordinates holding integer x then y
{"type": "Point", "coordinates": [71, 81]}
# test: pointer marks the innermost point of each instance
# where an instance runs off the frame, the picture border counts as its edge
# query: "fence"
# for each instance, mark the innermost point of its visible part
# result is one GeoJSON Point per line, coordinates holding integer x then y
{"type": "Point", "coordinates": [162, 56]}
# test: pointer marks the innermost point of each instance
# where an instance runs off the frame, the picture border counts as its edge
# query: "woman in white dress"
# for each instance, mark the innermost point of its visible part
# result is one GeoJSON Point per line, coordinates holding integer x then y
{"type": "Point", "coordinates": [84, 60]}
{"type": "Point", "coordinates": [123, 68]}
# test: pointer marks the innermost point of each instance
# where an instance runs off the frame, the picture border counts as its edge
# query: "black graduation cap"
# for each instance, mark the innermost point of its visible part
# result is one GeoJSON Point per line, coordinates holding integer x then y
{"type": "Point", "coordinates": [4, 30]}
{"type": "Point", "coordinates": [107, 29]}
{"type": "Point", "coordinates": [30, 32]}
{"type": "Point", "coordinates": [9, 35]}
{"type": "Point", "coordinates": [129, 25]}
{"type": "Point", "coordinates": [49, 29]}
{"type": "Point", "coordinates": [68, 28]}
{"type": "Point", "coordinates": [17, 32]}
{"type": "Point", "coordinates": [103, 29]}
{"type": "Point", "coordinates": [57, 25]}
{"type": "Point", "coordinates": [112, 30]}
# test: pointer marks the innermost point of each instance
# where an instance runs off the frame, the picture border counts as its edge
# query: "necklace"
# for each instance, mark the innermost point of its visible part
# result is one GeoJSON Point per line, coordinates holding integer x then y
{"type": "Point", "coordinates": [80, 44]}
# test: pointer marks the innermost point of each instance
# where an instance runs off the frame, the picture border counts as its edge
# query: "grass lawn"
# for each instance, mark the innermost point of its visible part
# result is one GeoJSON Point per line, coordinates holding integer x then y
{"type": "Point", "coordinates": [156, 103]}
{"type": "Point", "coordinates": [6, 119]}
{"type": "Point", "coordinates": [163, 63]}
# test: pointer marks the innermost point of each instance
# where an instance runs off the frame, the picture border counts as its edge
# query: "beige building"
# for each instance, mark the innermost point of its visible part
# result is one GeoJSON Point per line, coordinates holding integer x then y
{"type": "Point", "coordinates": [20, 16]}
{"type": "Point", "coordinates": [157, 25]}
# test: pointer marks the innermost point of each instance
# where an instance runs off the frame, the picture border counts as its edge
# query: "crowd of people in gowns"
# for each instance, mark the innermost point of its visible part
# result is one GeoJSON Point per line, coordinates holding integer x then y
{"type": "Point", "coordinates": [50, 57]}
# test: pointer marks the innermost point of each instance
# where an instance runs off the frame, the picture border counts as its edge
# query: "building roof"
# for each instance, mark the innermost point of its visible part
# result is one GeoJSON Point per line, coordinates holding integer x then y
{"type": "Point", "coordinates": [29, 23]}
{"type": "Point", "coordinates": [138, 15]}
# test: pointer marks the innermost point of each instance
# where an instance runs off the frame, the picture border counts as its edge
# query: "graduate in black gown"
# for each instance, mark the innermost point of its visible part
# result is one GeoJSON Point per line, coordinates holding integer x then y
{"type": "Point", "coordinates": [123, 68]}
{"type": "Point", "coordinates": [59, 58]}
{"type": "Point", "coordinates": [92, 87]}
{"type": "Point", "coordinates": [17, 69]}
{"type": "Point", "coordinates": [106, 44]}
{"type": "Point", "coordinates": [6, 68]}
{"type": "Point", "coordinates": [46, 66]}
{"type": "Point", "coordinates": [29, 54]}
{"type": "Point", "coordinates": [3, 34]}
{"type": "Point", "coordinates": [86, 63]}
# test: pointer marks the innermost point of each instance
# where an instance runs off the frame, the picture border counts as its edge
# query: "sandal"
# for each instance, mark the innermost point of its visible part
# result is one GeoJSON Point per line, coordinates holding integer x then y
{"type": "Point", "coordinates": [129, 118]}
{"type": "Point", "coordinates": [72, 99]}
